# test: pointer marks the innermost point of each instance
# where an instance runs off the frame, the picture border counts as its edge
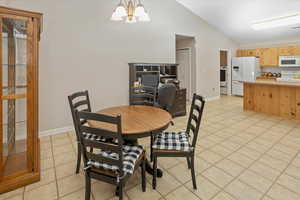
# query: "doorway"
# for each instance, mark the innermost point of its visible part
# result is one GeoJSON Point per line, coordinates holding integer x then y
{"type": "Point", "coordinates": [185, 58]}
{"type": "Point", "coordinates": [225, 72]}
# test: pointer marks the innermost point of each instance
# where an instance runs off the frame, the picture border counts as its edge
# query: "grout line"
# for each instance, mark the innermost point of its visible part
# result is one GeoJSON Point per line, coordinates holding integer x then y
{"type": "Point", "coordinates": [283, 171]}
{"type": "Point", "coordinates": [54, 168]}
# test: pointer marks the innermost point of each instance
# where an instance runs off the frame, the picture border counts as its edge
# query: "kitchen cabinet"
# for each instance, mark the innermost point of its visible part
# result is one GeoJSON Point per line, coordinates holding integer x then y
{"type": "Point", "coordinates": [286, 51]}
{"type": "Point", "coordinates": [288, 102]}
{"type": "Point", "coordinates": [251, 52]}
{"type": "Point", "coordinates": [223, 59]}
{"type": "Point", "coordinates": [273, 98]}
{"type": "Point", "coordinates": [242, 53]}
{"type": "Point", "coordinates": [297, 51]}
{"type": "Point", "coordinates": [298, 103]}
{"type": "Point", "coordinates": [268, 57]}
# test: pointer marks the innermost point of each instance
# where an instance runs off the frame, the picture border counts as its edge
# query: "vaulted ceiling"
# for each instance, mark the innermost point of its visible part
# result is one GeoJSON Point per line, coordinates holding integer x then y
{"type": "Point", "coordinates": [234, 18]}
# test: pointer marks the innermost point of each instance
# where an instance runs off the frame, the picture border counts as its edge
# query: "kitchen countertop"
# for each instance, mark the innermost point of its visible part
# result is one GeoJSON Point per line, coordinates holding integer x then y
{"type": "Point", "coordinates": [273, 82]}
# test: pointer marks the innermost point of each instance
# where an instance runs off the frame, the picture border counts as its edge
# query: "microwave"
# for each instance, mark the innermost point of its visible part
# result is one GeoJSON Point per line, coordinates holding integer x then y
{"type": "Point", "coordinates": [289, 61]}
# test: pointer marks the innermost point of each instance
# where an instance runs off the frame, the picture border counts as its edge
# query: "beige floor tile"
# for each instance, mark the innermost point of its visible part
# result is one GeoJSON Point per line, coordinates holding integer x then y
{"type": "Point", "coordinates": [60, 142]}
{"type": "Point", "coordinates": [70, 184]}
{"type": "Point", "coordinates": [103, 191]}
{"type": "Point", "coordinates": [65, 170]}
{"type": "Point", "coordinates": [278, 192]}
{"type": "Point", "coordinates": [250, 153]}
{"type": "Point", "coordinates": [165, 184]}
{"type": "Point", "coordinates": [11, 194]}
{"type": "Point", "coordinates": [181, 193]}
{"type": "Point", "coordinates": [293, 171]}
{"type": "Point", "coordinates": [265, 171]}
{"type": "Point", "coordinates": [63, 149]}
{"type": "Point", "coordinates": [167, 162]}
{"type": "Point", "coordinates": [230, 167]}
{"type": "Point", "coordinates": [221, 150]}
{"type": "Point", "coordinates": [242, 191]}
{"type": "Point", "coordinates": [47, 177]}
{"type": "Point", "coordinates": [46, 153]}
{"type": "Point", "coordinates": [280, 155]}
{"type": "Point", "coordinates": [46, 192]}
{"type": "Point", "coordinates": [201, 165]}
{"type": "Point", "coordinates": [18, 197]}
{"type": "Point", "coordinates": [223, 196]}
{"type": "Point", "coordinates": [181, 172]}
{"type": "Point", "coordinates": [64, 158]}
{"type": "Point", "coordinates": [47, 163]}
{"type": "Point", "coordinates": [289, 182]}
{"type": "Point", "coordinates": [253, 179]}
{"type": "Point", "coordinates": [206, 190]}
{"type": "Point", "coordinates": [241, 159]}
{"type": "Point", "coordinates": [231, 145]}
{"type": "Point", "coordinates": [296, 162]}
{"type": "Point", "coordinates": [217, 176]}
{"type": "Point", "coordinates": [210, 156]}
{"type": "Point", "coordinates": [273, 163]}
{"type": "Point", "coordinates": [267, 198]}
{"type": "Point", "coordinates": [78, 195]}
{"type": "Point", "coordinates": [136, 193]}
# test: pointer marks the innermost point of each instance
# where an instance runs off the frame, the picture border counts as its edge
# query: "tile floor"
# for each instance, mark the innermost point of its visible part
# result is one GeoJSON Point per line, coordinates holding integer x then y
{"type": "Point", "coordinates": [240, 156]}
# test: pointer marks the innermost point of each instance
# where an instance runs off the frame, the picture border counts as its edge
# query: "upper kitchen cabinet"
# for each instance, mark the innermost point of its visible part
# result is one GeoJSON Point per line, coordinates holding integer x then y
{"type": "Point", "coordinates": [297, 51]}
{"type": "Point", "coordinates": [286, 51]}
{"type": "Point", "coordinates": [246, 52]}
{"type": "Point", "coordinates": [268, 57]}
{"type": "Point", "coordinates": [251, 52]}
{"type": "Point", "coordinates": [223, 59]}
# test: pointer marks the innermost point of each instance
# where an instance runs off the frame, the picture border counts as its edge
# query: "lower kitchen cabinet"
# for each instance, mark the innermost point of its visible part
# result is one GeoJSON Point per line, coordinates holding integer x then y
{"type": "Point", "coordinates": [272, 99]}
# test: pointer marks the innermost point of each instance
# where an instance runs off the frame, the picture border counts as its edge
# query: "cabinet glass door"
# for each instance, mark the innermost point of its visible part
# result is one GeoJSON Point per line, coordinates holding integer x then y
{"type": "Point", "coordinates": [14, 94]}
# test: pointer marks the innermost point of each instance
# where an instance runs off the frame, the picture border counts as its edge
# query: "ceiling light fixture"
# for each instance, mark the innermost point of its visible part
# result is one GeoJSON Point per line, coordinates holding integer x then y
{"type": "Point", "coordinates": [277, 22]}
{"type": "Point", "coordinates": [131, 11]}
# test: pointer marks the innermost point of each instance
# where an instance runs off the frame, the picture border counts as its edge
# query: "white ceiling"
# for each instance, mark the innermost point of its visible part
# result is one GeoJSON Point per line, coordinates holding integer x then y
{"type": "Point", "coordinates": [234, 17]}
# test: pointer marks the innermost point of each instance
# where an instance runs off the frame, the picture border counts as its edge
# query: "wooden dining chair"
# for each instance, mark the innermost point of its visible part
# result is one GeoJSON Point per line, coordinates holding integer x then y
{"type": "Point", "coordinates": [79, 101]}
{"type": "Point", "coordinates": [181, 144]}
{"type": "Point", "coordinates": [112, 163]}
{"type": "Point", "coordinates": [143, 95]}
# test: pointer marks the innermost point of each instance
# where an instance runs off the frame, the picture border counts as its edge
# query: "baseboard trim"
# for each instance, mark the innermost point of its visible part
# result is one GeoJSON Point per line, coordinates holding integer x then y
{"type": "Point", "coordinates": [56, 131]}
{"type": "Point", "coordinates": [212, 98]}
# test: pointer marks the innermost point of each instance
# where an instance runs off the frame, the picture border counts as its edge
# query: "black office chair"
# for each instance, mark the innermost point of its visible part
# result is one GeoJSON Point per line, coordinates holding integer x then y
{"type": "Point", "coordinates": [166, 96]}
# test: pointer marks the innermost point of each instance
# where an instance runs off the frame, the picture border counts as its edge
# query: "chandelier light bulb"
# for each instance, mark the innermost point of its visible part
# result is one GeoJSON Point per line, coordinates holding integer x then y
{"type": "Point", "coordinates": [139, 10]}
{"type": "Point", "coordinates": [121, 11]}
{"type": "Point", "coordinates": [114, 17]}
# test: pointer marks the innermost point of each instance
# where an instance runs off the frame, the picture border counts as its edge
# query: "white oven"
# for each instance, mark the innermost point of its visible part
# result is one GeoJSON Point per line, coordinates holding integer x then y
{"type": "Point", "coordinates": [289, 61]}
{"type": "Point", "coordinates": [223, 77]}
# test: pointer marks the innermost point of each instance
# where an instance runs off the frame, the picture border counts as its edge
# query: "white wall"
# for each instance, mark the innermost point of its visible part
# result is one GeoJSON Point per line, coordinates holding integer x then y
{"type": "Point", "coordinates": [82, 49]}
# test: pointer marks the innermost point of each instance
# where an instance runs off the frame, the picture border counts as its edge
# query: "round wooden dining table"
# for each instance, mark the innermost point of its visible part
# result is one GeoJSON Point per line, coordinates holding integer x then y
{"type": "Point", "coordinates": [137, 121]}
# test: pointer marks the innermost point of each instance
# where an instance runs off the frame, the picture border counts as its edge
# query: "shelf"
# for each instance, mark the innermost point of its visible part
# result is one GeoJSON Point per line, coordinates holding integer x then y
{"type": "Point", "coordinates": [147, 72]}
{"type": "Point", "coordinates": [15, 64]}
{"type": "Point", "coordinates": [14, 96]}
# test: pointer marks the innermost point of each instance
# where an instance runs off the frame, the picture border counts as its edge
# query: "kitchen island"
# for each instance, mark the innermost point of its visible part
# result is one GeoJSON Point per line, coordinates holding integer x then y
{"type": "Point", "coordinates": [273, 98]}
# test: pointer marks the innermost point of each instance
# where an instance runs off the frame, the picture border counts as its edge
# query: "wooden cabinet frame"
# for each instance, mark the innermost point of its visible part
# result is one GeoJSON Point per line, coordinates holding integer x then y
{"type": "Point", "coordinates": [31, 171]}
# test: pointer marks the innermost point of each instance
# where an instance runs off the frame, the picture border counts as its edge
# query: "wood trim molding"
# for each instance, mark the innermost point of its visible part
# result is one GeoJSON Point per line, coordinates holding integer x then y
{"type": "Point", "coordinates": [56, 131]}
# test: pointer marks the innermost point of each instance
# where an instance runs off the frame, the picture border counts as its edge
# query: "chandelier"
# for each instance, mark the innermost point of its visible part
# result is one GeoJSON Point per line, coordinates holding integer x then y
{"type": "Point", "coordinates": [131, 11]}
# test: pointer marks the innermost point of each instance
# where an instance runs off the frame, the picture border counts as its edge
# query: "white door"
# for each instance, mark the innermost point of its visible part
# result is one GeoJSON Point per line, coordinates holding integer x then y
{"type": "Point", "coordinates": [183, 58]}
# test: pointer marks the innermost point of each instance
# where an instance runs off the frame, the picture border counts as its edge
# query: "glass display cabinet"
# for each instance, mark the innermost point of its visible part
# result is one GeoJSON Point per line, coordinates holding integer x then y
{"type": "Point", "coordinates": [19, 143]}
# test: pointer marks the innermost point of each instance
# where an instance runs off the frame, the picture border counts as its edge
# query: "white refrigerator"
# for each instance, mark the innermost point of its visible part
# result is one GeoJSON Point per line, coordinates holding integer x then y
{"type": "Point", "coordinates": [243, 69]}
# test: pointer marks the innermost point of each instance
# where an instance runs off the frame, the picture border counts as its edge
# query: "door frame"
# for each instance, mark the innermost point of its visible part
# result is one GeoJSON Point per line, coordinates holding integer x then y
{"type": "Point", "coordinates": [229, 71]}
{"type": "Point", "coordinates": [189, 94]}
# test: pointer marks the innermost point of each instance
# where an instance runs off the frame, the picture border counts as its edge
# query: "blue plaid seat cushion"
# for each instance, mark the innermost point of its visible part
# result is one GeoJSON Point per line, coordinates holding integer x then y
{"type": "Point", "coordinates": [172, 141]}
{"type": "Point", "coordinates": [130, 155]}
